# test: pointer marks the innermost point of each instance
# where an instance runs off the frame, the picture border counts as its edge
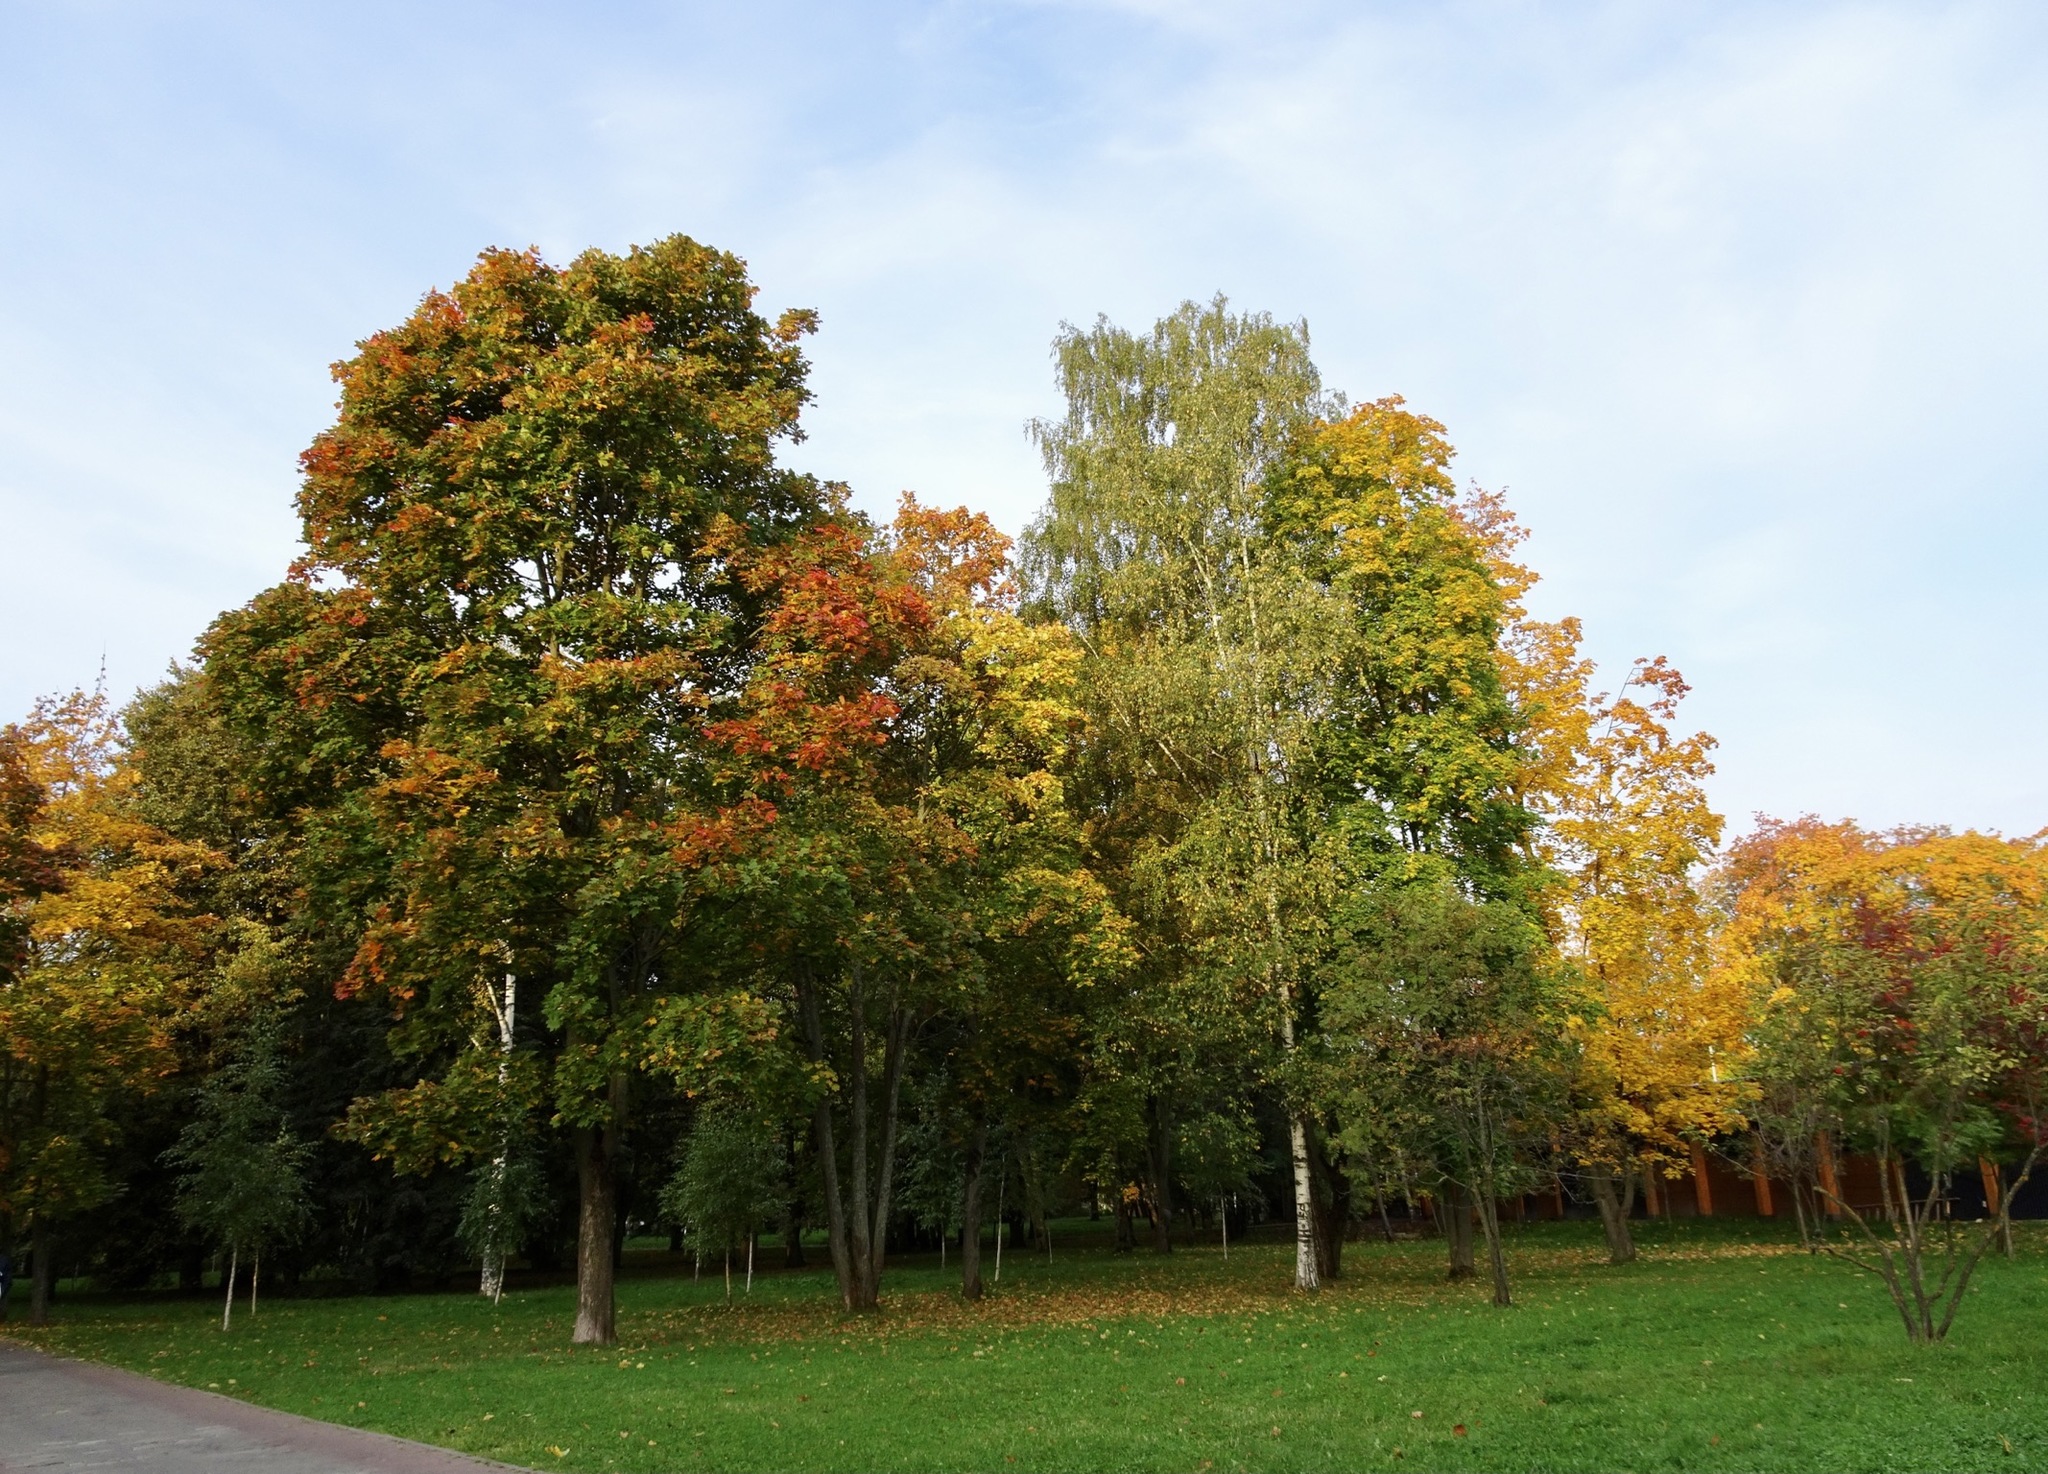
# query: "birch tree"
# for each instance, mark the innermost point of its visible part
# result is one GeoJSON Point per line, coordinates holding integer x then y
{"type": "Point", "coordinates": [241, 1167]}
{"type": "Point", "coordinates": [1206, 640]}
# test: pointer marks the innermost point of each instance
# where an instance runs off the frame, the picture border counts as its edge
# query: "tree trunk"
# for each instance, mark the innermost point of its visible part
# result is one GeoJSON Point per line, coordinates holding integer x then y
{"type": "Point", "coordinates": [597, 1214]}
{"type": "Point", "coordinates": [255, 1274]}
{"type": "Point", "coordinates": [492, 1281]}
{"type": "Point", "coordinates": [1457, 1212]}
{"type": "Point", "coordinates": [835, 1204]}
{"type": "Point", "coordinates": [860, 1291]}
{"type": "Point", "coordinates": [43, 1285]}
{"type": "Point", "coordinates": [1496, 1252]}
{"type": "Point", "coordinates": [1614, 1192]}
{"type": "Point", "coordinates": [1306, 1273]}
{"type": "Point", "coordinates": [1804, 1211]}
{"type": "Point", "coordinates": [897, 1048]}
{"type": "Point", "coordinates": [1126, 1236]}
{"type": "Point", "coordinates": [792, 1238]}
{"type": "Point", "coordinates": [970, 1213]}
{"type": "Point", "coordinates": [1159, 1163]}
{"type": "Point", "coordinates": [857, 1205]}
{"type": "Point", "coordinates": [1002, 1187]}
{"type": "Point", "coordinates": [1333, 1210]}
{"type": "Point", "coordinates": [227, 1309]}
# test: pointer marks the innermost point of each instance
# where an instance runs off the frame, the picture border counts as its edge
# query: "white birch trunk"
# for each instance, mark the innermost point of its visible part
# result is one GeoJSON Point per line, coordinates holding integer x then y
{"type": "Point", "coordinates": [227, 1311]}
{"type": "Point", "coordinates": [1305, 1274]}
{"type": "Point", "coordinates": [493, 1283]}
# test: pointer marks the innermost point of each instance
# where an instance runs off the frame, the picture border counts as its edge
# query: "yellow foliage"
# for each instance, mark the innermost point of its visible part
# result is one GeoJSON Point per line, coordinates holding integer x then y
{"type": "Point", "coordinates": [111, 950]}
{"type": "Point", "coordinates": [1627, 829]}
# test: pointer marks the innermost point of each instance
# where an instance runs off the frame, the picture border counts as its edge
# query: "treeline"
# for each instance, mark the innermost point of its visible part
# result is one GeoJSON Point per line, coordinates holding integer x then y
{"type": "Point", "coordinates": [602, 822]}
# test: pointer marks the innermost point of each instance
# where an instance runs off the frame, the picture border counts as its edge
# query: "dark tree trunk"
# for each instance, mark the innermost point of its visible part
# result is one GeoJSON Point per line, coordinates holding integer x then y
{"type": "Point", "coordinates": [970, 1213]}
{"type": "Point", "coordinates": [1159, 1163]}
{"type": "Point", "coordinates": [857, 1204]}
{"type": "Point", "coordinates": [1496, 1253]}
{"type": "Point", "coordinates": [597, 1213]}
{"type": "Point", "coordinates": [1457, 1213]}
{"type": "Point", "coordinates": [792, 1229]}
{"type": "Point", "coordinates": [1615, 1194]}
{"type": "Point", "coordinates": [793, 1214]}
{"type": "Point", "coordinates": [43, 1284]}
{"type": "Point", "coordinates": [835, 1204]}
{"type": "Point", "coordinates": [622, 1210]}
{"type": "Point", "coordinates": [1126, 1235]}
{"type": "Point", "coordinates": [1332, 1196]}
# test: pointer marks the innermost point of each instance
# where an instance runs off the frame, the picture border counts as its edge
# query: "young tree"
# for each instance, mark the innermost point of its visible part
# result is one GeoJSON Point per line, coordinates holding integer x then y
{"type": "Point", "coordinates": [241, 1169]}
{"type": "Point", "coordinates": [488, 683]}
{"type": "Point", "coordinates": [730, 1184]}
{"type": "Point", "coordinates": [1452, 1026]}
{"type": "Point", "coordinates": [1897, 988]}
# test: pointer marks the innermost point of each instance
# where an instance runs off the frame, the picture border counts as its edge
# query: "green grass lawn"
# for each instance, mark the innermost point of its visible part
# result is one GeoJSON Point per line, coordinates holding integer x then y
{"type": "Point", "coordinates": [1723, 1349]}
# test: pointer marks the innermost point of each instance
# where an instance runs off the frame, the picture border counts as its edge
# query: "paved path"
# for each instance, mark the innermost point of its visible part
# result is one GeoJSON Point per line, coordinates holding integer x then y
{"type": "Point", "coordinates": [65, 1415]}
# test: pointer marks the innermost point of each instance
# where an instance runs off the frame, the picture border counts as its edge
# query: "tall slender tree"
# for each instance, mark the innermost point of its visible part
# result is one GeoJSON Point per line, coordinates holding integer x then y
{"type": "Point", "coordinates": [1207, 642]}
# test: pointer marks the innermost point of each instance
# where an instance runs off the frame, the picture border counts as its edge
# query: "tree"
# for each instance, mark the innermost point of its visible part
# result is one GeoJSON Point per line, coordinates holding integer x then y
{"type": "Point", "coordinates": [1452, 1026]}
{"type": "Point", "coordinates": [1625, 830]}
{"type": "Point", "coordinates": [1414, 755]}
{"type": "Point", "coordinates": [242, 1171]}
{"type": "Point", "coordinates": [901, 724]}
{"type": "Point", "coordinates": [1203, 631]}
{"type": "Point", "coordinates": [1630, 828]}
{"type": "Point", "coordinates": [1898, 1006]}
{"type": "Point", "coordinates": [730, 1184]}
{"type": "Point", "coordinates": [487, 685]}
{"type": "Point", "coordinates": [100, 952]}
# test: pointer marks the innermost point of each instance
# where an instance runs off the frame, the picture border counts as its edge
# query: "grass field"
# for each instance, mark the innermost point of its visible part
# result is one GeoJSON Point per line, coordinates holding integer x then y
{"type": "Point", "coordinates": [1722, 1349]}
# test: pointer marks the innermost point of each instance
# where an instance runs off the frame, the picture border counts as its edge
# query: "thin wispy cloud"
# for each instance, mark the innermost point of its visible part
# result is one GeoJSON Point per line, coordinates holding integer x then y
{"type": "Point", "coordinates": [1742, 302]}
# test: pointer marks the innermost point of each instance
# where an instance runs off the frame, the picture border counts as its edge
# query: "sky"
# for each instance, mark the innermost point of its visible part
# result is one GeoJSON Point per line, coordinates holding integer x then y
{"type": "Point", "coordinates": [1745, 305]}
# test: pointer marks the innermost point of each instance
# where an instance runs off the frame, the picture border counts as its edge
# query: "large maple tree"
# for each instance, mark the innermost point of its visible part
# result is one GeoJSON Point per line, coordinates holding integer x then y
{"type": "Point", "coordinates": [486, 687]}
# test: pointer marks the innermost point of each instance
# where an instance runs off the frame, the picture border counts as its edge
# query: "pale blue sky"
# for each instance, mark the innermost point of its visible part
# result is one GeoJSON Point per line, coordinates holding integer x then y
{"type": "Point", "coordinates": [1745, 303]}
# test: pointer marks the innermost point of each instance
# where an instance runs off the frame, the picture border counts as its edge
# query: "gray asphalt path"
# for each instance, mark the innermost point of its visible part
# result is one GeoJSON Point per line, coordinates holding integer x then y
{"type": "Point", "coordinates": [58, 1414]}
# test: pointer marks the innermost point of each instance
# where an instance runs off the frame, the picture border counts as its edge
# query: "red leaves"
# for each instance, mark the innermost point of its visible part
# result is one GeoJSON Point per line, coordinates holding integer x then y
{"type": "Point", "coordinates": [699, 840]}
{"type": "Point", "coordinates": [839, 620]}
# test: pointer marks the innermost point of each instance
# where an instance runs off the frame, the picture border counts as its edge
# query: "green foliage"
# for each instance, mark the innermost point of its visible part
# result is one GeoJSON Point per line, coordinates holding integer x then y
{"type": "Point", "coordinates": [241, 1170]}
{"type": "Point", "coordinates": [1446, 1036]}
{"type": "Point", "coordinates": [507, 1201]}
{"type": "Point", "coordinates": [732, 1179]}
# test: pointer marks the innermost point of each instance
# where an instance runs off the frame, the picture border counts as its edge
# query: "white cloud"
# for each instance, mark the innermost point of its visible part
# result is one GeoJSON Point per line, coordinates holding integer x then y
{"type": "Point", "coordinates": [1743, 301]}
